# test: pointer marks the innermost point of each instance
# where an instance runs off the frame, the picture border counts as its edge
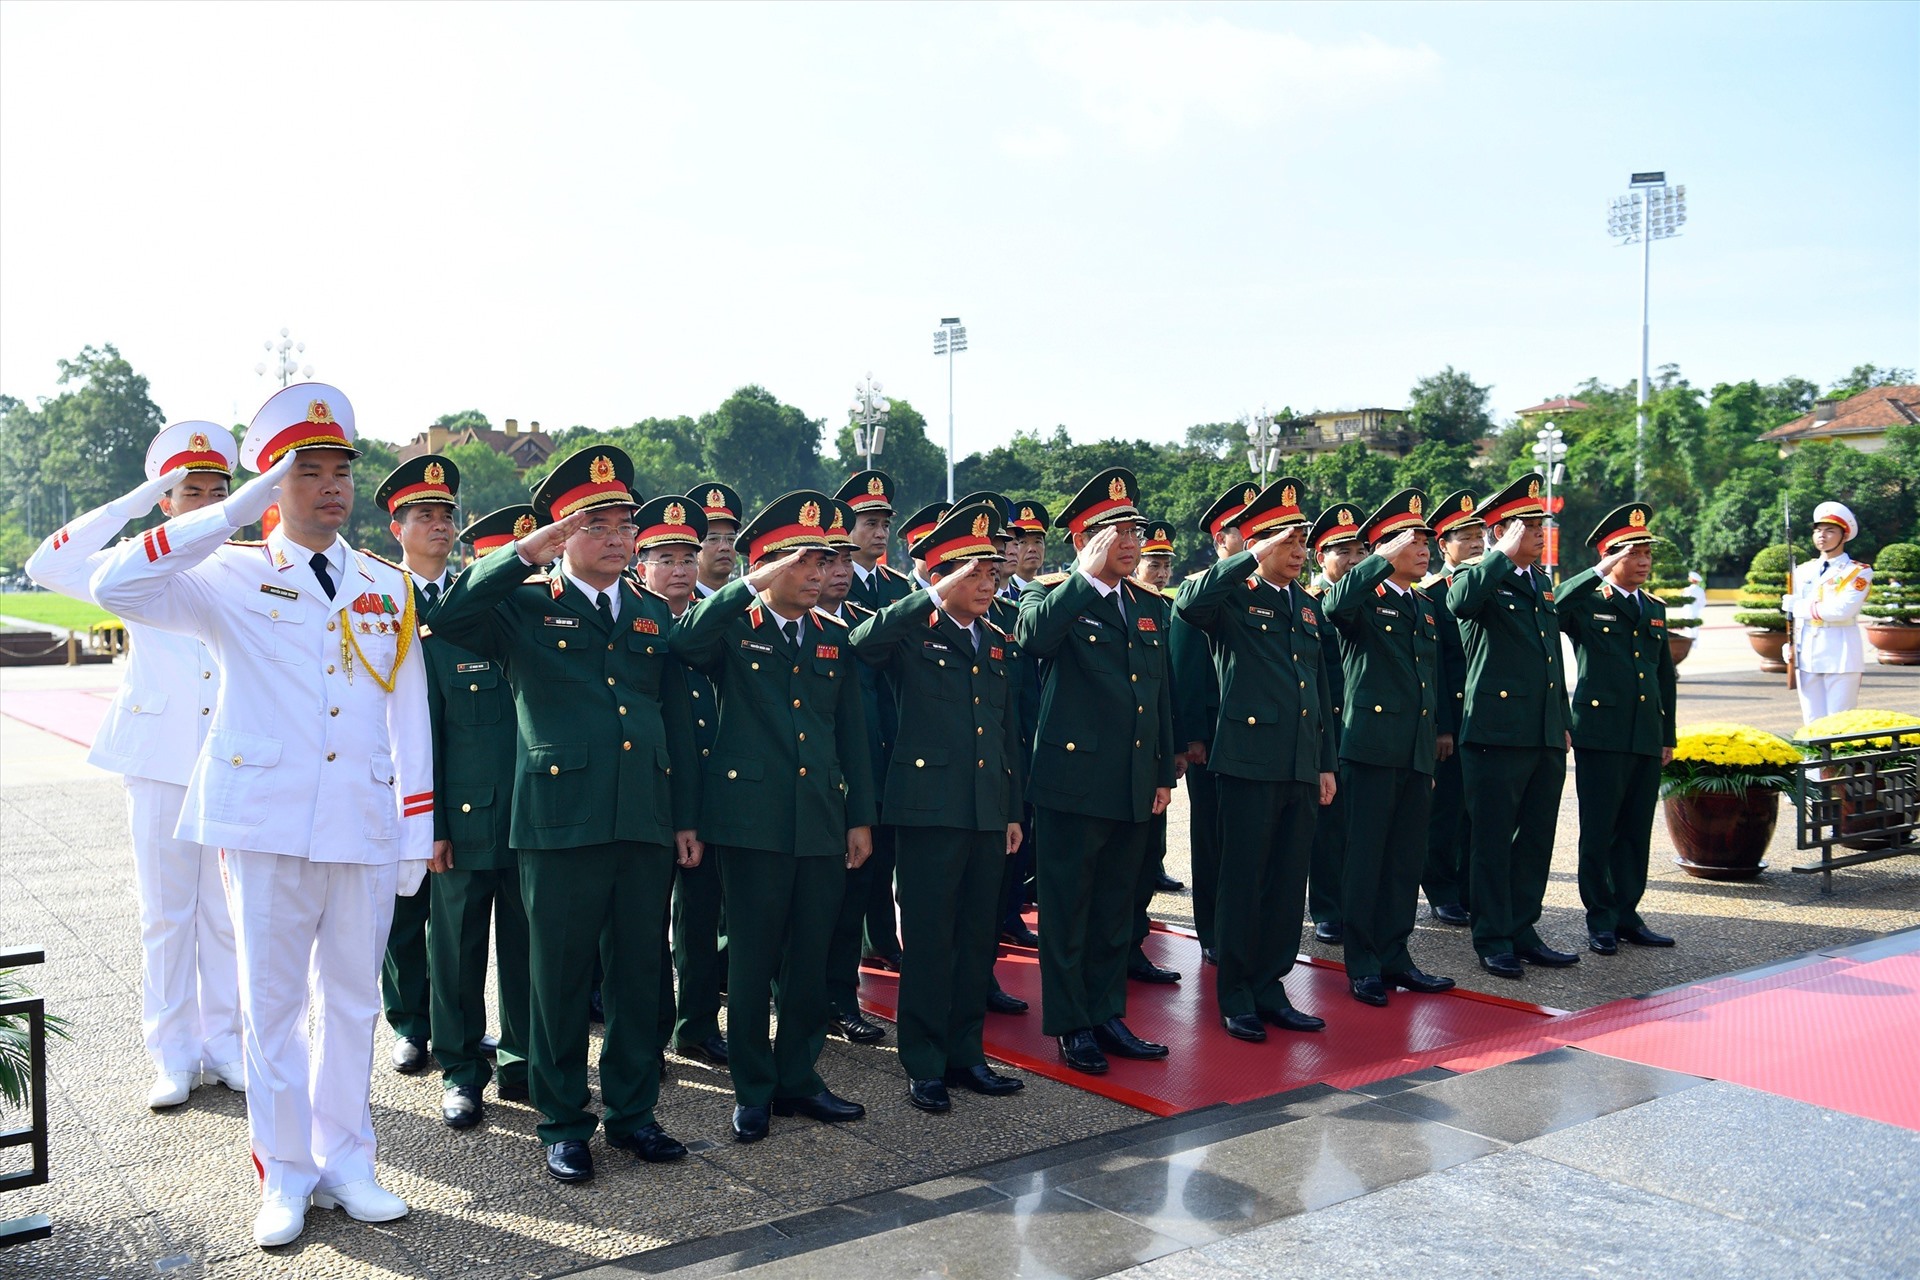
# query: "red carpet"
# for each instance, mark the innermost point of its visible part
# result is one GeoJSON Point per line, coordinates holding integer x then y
{"type": "Point", "coordinates": [73, 714]}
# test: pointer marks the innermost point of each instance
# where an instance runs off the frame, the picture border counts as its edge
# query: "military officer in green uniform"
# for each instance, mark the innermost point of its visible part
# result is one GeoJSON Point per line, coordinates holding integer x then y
{"type": "Point", "coordinates": [419, 496]}
{"type": "Point", "coordinates": [876, 584]}
{"type": "Point", "coordinates": [1103, 766]}
{"type": "Point", "coordinates": [1394, 729]}
{"type": "Point", "coordinates": [1337, 546]}
{"type": "Point", "coordinates": [1154, 572]}
{"type": "Point", "coordinates": [1462, 535]}
{"type": "Point", "coordinates": [604, 798]}
{"type": "Point", "coordinates": [788, 799]}
{"type": "Point", "coordinates": [1196, 710]}
{"type": "Point", "coordinates": [955, 787]}
{"type": "Point", "coordinates": [673, 530]}
{"type": "Point", "coordinates": [1272, 754]}
{"type": "Point", "coordinates": [1623, 723]}
{"type": "Point", "coordinates": [1513, 732]}
{"type": "Point", "coordinates": [1027, 552]}
{"type": "Point", "coordinates": [477, 892]}
{"type": "Point", "coordinates": [916, 527]}
{"type": "Point", "coordinates": [720, 504]}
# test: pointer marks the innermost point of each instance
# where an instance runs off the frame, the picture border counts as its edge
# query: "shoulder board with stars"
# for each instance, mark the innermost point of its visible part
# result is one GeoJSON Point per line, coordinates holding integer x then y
{"type": "Point", "coordinates": [1433, 579]}
{"type": "Point", "coordinates": [1052, 579]}
{"type": "Point", "coordinates": [887, 568]}
{"type": "Point", "coordinates": [857, 610]}
{"type": "Point", "coordinates": [232, 542]}
{"type": "Point", "coordinates": [382, 559]}
{"type": "Point", "coordinates": [824, 616]}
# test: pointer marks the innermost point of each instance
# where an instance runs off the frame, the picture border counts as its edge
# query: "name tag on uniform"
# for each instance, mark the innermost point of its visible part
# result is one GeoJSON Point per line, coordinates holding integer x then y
{"type": "Point", "coordinates": [1391, 613]}
{"type": "Point", "coordinates": [1148, 624]}
{"type": "Point", "coordinates": [1258, 612]}
{"type": "Point", "coordinates": [754, 646]}
{"type": "Point", "coordinates": [1092, 622]}
{"type": "Point", "coordinates": [560, 622]}
{"type": "Point", "coordinates": [1607, 617]}
{"type": "Point", "coordinates": [998, 655]}
{"type": "Point", "coordinates": [826, 651]}
{"type": "Point", "coordinates": [935, 644]}
{"type": "Point", "coordinates": [464, 667]}
{"type": "Point", "coordinates": [646, 626]}
{"type": "Point", "coordinates": [285, 593]}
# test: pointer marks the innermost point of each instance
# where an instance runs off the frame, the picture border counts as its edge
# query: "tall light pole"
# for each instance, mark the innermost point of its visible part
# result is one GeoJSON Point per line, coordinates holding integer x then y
{"type": "Point", "coordinates": [1263, 449]}
{"type": "Point", "coordinates": [869, 412]}
{"type": "Point", "coordinates": [949, 340]}
{"type": "Point", "coordinates": [286, 362]}
{"type": "Point", "coordinates": [1651, 210]}
{"type": "Point", "coordinates": [1550, 446]}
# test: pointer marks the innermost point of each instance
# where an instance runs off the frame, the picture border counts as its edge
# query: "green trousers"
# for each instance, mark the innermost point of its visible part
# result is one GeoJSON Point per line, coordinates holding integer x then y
{"type": "Point", "coordinates": [882, 923]}
{"type": "Point", "coordinates": [1087, 873]}
{"type": "Point", "coordinates": [780, 916]}
{"type": "Point", "coordinates": [1513, 800]}
{"type": "Point", "coordinates": [1146, 883]}
{"type": "Point", "coordinates": [853, 924]}
{"type": "Point", "coordinates": [1448, 874]}
{"type": "Point", "coordinates": [696, 951]}
{"type": "Point", "coordinates": [608, 900]}
{"type": "Point", "coordinates": [1327, 873]}
{"type": "Point", "coordinates": [1266, 831]}
{"type": "Point", "coordinates": [1203, 843]}
{"type": "Point", "coordinates": [405, 996]}
{"type": "Point", "coordinates": [1386, 847]}
{"type": "Point", "coordinates": [466, 905]}
{"type": "Point", "coordinates": [949, 927]}
{"type": "Point", "coordinates": [1617, 792]}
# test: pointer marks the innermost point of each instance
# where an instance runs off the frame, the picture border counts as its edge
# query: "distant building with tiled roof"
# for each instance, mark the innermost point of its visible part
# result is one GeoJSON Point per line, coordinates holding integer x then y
{"type": "Point", "coordinates": [1859, 421]}
{"type": "Point", "coordinates": [1530, 417]}
{"type": "Point", "coordinates": [1380, 430]}
{"type": "Point", "coordinates": [524, 449]}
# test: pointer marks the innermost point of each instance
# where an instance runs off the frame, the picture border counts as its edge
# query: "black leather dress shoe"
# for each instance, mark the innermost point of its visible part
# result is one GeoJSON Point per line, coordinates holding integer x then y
{"type": "Point", "coordinates": [1369, 990]}
{"type": "Point", "coordinates": [856, 1029]}
{"type": "Point", "coordinates": [1452, 913]}
{"type": "Point", "coordinates": [1331, 932]}
{"type": "Point", "coordinates": [999, 1001]}
{"type": "Point", "coordinates": [596, 1007]}
{"type": "Point", "coordinates": [461, 1108]}
{"type": "Point", "coordinates": [1645, 937]}
{"type": "Point", "coordinates": [651, 1143]}
{"type": "Point", "coordinates": [1209, 956]}
{"type": "Point", "coordinates": [1151, 972]}
{"type": "Point", "coordinates": [1020, 935]}
{"type": "Point", "coordinates": [1114, 1037]}
{"type": "Point", "coordinates": [929, 1096]}
{"type": "Point", "coordinates": [489, 1045]}
{"type": "Point", "coordinates": [712, 1050]}
{"type": "Point", "coordinates": [1164, 883]}
{"type": "Point", "coordinates": [1504, 965]}
{"type": "Point", "coordinates": [750, 1123]}
{"type": "Point", "coordinates": [1605, 942]}
{"type": "Point", "coordinates": [1079, 1051]}
{"type": "Point", "coordinates": [569, 1161]}
{"type": "Point", "coordinates": [409, 1055]}
{"type": "Point", "coordinates": [1414, 980]}
{"type": "Point", "coordinates": [825, 1106]}
{"type": "Point", "coordinates": [1547, 957]}
{"type": "Point", "coordinates": [985, 1081]}
{"type": "Point", "coordinates": [1245, 1026]}
{"type": "Point", "coordinates": [511, 1092]}
{"type": "Point", "coordinates": [1291, 1019]}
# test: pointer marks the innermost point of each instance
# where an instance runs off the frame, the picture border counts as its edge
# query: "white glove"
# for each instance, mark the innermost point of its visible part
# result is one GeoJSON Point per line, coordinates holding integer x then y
{"type": "Point", "coordinates": [251, 500]}
{"type": "Point", "coordinates": [136, 504]}
{"type": "Point", "coordinates": [413, 874]}
{"type": "Point", "coordinates": [1786, 605]}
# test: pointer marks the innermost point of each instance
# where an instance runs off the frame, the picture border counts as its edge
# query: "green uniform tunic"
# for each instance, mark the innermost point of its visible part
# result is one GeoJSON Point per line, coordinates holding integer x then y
{"type": "Point", "coordinates": [1196, 709]}
{"type": "Point", "coordinates": [607, 772]}
{"type": "Point", "coordinates": [1390, 645]}
{"type": "Point", "coordinates": [954, 785]}
{"type": "Point", "coordinates": [1513, 735]}
{"type": "Point", "coordinates": [1272, 741]}
{"type": "Point", "coordinates": [789, 775]}
{"type": "Point", "coordinates": [1623, 715]}
{"type": "Point", "coordinates": [1104, 743]}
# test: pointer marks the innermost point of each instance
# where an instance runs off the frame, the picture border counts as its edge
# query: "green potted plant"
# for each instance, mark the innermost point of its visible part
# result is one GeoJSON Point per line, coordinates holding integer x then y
{"type": "Point", "coordinates": [1758, 608]}
{"type": "Point", "coordinates": [1721, 797]}
{"type": "Point", "coordinates": [1670, 587]}
{"type": "Point", "coordinates": [1892, 610]}
{"type": "Point", "coordinates": [16, 1060]}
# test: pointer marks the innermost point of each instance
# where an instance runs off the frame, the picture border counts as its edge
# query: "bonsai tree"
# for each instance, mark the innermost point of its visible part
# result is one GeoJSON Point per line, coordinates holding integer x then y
{"type": "Point", "coordinates": [1767, 579]}
{"type": "Point", "coordinates": [1669, 585]}
{"type": "Point", "coordinates": [1894, 599]}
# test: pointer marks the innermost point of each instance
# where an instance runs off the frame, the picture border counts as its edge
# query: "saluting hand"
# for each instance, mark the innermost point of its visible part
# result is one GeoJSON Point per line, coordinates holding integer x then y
{"type": "Point", "coordinates": [770, 570]}
{"type": "Point", "coordinates": [251, 500]}
{"type": "Point", "coordinates": [1510, 540]}
{"type": "Point", "coordinates": [971, 569]}
{"type": "Point", "coordinates": [1269, 547]}
{"type": "Point", "coordinates": [1093, 557]}
{"type": "Point", "coordinates": [547, 543]}
{"type": "Point", "coordinates": [1398, 542]}
{"type": "Point", "coordinates": [859, 846]}
{"type": "Point", "coordinates": [141, 500]}
{"type": "Point", "coordinates": [1613, 558]}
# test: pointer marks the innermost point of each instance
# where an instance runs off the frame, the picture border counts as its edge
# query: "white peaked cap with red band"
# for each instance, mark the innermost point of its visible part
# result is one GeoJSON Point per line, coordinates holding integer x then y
{"type": "Point", "coordinates": [196, 444]}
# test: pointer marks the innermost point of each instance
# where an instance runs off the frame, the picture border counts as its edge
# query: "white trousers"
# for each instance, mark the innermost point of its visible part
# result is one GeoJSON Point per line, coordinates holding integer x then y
{"type": "Point", "coordinates": [190, 983]}
{"type": "Point", "coordinates": [308, 1115]}
{"type": "Point", "coordinates": [1822, 694]}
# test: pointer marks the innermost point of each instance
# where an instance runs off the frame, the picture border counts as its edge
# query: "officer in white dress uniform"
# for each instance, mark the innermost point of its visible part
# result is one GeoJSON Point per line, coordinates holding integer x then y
{"type": "Point", "coordinates": [1825, 607]}
{"type": "Point", "coordinates": [316, 778]}
{"type": "Point", "coordinates": [190, 999]}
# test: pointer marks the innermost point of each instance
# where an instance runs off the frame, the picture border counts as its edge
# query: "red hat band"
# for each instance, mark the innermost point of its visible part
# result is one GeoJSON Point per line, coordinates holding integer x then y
{"type": "Point", "coordinates": [786, 538]}
{"type": "Point", "coordinates": [422, 492]}
{"type": "Point", "coordinates": [1628, 533]}
{"type": "Point", "coordinates": [198, 460]}
{"type": "Point", "coordinates": [1394, 524]}
{"type": "Point", "coordinates": [591, 494]}
{"type": "Point", "coordinates": [659, 534]}
{"type": "Point", "coordinates": [493, 542]}
{"type": "Point", "coordinates": [959, 549]}
{"type": "Point", "coordinates": [1080, 522]}
{"type": "Point", "coordinates": [305, 435]}
{"type": "Point", "coordinates": [1526, 505]}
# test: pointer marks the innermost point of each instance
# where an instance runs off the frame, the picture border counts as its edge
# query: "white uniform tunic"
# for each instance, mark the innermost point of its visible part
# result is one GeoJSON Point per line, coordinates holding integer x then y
{"type": "Point", "coordinates": [190, 999]}
{"type": "Point", "coordinates": [1829, 649]}
{"type": "Point", "coordinates": [319, 783]}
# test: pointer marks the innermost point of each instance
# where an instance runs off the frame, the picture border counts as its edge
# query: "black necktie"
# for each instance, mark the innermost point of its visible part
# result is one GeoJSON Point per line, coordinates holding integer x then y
{"type": "Point", "coordinates": [1632, 600]}
{"type": "Point", "coordinates": [605, 606]}
{"type": "Point", "coordinates": [792, 632]}
{"type": "Point", "coordinates": [1823, 567]}
{"type": "Point", "coordinates": [433, 593]}
{"type": "Point", "coordinates": [321, 570]}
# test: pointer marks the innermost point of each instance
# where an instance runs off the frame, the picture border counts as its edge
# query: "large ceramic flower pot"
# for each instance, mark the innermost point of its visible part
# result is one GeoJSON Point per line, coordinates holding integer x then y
{"type": "Point", "coordinates": [1720, 836]}
{"type": "Point", "coordinates": [1770, 646]}
{"type": "Point", "coordinates": [1898, 643]}
{"type": "Point", "coordinates": [1680, 644]}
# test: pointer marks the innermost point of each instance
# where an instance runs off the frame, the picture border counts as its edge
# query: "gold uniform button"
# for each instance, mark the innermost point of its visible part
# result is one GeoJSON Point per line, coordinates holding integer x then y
{"type": "Point", "coordinates": [803, 771]}
{"type": "Point", "coordinates": [609, 679]}
{"type": "Point", "coordinates": [1303, 711]}
{"type": "Point", "coordinates": [333, 711]}
{"type": "Point", "coordinates": [1643, 697]}
{"type": "Point", "coordinates": [796, 702]}
{"type": "Point", "coordinates": [474, 688]}
{"type": "Point", "coordinates": [136, 706]}
{"type": "Point", "coordinates": [329, 626]}
{"type": "Point", "coordinates": [330, 756]}
{"type": "Point", "coordinates": [553, 769]}
{"type": "Point", "coordinates": [1389, 626]}
{"type": "Point", "coordinates": [1136, 742]}
{"type": "Point", "coordinates": [976, 699]}
{"type": "Point", "coordinates": [919, 764]}
{"type": "Point", "coordinates": [803, 737]}
{"type": "Point", "coordinates": [1423, 711]}
{"type": "Point", "coordinates": [696, 693]}
{"type": "Point", "coordinates": [329, 668]}
{"type": "Point", "coordinates": [466, 808]}
{"type": "Point", "coordinates": [206, 711]}
{"type": "Point", "coordinates": [978, 731]}
{"type": "Point", "coordinates": [943, 662]}
{"type": "Point", "coordinates": [979, 764]}
{"type": "Point", "coordinates": [626, 746]}
{"type": "Point", "coordinates": [976, 671]}
{"type": "Point", "coordinates": [563, 644]}
{"type": "Point", "coordinates": [756, 666]}
{"type": "Point", "coordinates": [1605, 629]}
{"type": "Point", "coordinates": [796, 671]}
{"type": "Point", "coordinates": [208, 675]}
{"type": "Point", "coordinates": [649, 648]}
{"type": "Point", "coordinates": [1134, 678]}
{"type": "Point", "coordinates": [732, 773]}
{"type": "Point", "coordinates": [1376, 706]}
{"type": "Point", "coordinates": [1596, 702]}
{"type": "Point", "coordinates": [237, 762]}
{"type": "Point", "coordinates": [701, 723]}
{"type": "Point", "coordinates": [1139, 710]}
{"type": "Point", "coordinates": [623, 711]}
{"type": "Point", "coordinates": [1069, 747]}
{"type": "Point", "coordinates": [609, 648]}
{"type": "Point", "coordinates": [1503, 693]}
{"type": "Point", "coordinates": [273, 613]}
{"type": "Point", "coordinates": [704, 752]}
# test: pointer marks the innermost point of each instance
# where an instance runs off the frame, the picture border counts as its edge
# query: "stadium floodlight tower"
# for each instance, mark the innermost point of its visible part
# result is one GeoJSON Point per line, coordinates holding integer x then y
{"type": "Point", "coordinates": [1651, 210]}
{"type": "Point", "coordinates": [949, 340]}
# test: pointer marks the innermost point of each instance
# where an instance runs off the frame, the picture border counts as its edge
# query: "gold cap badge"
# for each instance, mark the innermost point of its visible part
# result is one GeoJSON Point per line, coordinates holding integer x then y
{"type": "Point", "coordinates": [1287, 496]}
{"type": "Point", "coordinates": [1533, 488]}
{"type": "Point", "coordinates": [876, 488]}
{"type": "Point", "coordinates": [600, 471]}
{"type": "Point", "coordinates": [716, 499]}
{"type": "Point", "coordinates": [839, 521]}
{"type": "Point", "coordinates": [435, 473]}
{"type": "Point", "coordinates": [980, 525]}
{"type": "Point", "coordinates": [675, 513]}
{"type": "Point", "coordinates": [524, 525]}
{"type": "Point", "coordinates": [1117, 489]}
{"type": "Point", "coordinates": [1466, 502]}
{"type": "Point", "coordinates": [1346, 516]}
{"type": "Point", "coordinates": [1638, 518]}
{"type": "Point", "coordinates": [810, 514]}
{"type": "Point", "coordinates": [198, 442]}
{"type": "Point", "coordinates": [318, 412]}
{"type": "Point", "coordinates": [1413, 504]}
{"type": "Point", "coordinates": [1246, 499]}
{"type": "Point", "coordinates": [1026, 513]}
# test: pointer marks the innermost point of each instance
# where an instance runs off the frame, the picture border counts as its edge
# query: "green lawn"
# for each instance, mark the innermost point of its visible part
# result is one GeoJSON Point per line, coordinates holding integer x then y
{"type": "Point", "coordinates": [52, 609]}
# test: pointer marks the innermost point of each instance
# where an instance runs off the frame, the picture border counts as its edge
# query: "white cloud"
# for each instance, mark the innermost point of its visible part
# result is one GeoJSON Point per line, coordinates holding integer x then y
{"type": "Point", "coordinates": [1146, 78]}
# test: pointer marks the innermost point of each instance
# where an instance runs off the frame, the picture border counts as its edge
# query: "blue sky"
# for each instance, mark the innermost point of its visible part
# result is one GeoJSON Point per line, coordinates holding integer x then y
{"type": "Point", "coordinates": [1147, 216]}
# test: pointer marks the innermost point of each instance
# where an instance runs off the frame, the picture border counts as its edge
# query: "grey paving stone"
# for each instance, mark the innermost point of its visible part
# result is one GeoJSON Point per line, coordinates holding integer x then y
{"type": "Point", "coordinates": [1838, 1181]}
{"type": "Point", "coordinates": [1537, 1095]}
